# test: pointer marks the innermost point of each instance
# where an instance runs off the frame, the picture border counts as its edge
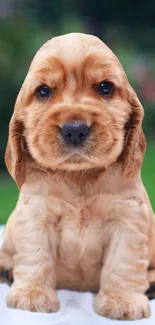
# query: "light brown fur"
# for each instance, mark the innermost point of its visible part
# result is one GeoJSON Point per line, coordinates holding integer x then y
{"type": "Point", "coordinates": [83, 220]}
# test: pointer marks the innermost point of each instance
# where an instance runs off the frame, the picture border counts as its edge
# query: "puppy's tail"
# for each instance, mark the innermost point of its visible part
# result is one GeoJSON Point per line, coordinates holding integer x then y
{"type": "Point", "coordinates": [151, 278]}
{"type": "Point", "coordinates": [6, 267]}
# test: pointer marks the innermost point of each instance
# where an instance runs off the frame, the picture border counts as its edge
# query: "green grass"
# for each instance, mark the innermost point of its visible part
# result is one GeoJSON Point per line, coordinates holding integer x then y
{"type": "Point", "coordinates": [148, 172]}
{"type": "Point", "coordinates": [9, 191]}
{"type": "Point", "coordinates": [8, 198]}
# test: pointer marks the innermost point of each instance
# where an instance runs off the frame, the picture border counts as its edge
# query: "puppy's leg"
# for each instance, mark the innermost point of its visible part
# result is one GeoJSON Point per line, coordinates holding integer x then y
{"type": "Point", "coordinates": [34, 267]}
{"type": "Point", "coordinates": [124, 274]}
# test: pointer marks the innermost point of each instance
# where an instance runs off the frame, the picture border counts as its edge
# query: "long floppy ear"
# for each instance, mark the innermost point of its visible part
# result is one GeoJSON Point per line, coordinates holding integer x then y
{"type": "Point", "coordinates": [14, 155]}
{"type": "Point", "coordinates": [135, 142]}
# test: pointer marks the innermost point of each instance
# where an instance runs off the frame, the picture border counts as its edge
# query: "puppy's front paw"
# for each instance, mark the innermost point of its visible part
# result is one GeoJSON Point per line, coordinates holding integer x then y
{"type": "Point", "coordinates": [40, 299]}
{"type": "Point", "coordinates": [122, 306]}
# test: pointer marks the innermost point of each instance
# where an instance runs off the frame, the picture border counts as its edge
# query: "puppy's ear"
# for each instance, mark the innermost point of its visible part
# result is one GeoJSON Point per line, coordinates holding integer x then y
{"type": "Point", "coordinates": [135, 142]}
{"type": "Point", "coordinates": [14, 155]}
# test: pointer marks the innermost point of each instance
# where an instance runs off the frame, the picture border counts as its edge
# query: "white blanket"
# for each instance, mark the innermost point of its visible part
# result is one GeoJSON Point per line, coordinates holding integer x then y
{"type": "Point", "coordinates": [76, 309]}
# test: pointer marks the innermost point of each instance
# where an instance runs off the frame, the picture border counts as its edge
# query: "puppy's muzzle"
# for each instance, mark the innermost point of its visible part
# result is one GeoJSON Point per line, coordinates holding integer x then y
{"type": "Point", "coordinates": [75, 133]}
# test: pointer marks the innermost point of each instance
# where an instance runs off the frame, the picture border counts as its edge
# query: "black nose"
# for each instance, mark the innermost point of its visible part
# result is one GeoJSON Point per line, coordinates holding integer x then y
{"type": "Point", "coordinates": [75, 133]}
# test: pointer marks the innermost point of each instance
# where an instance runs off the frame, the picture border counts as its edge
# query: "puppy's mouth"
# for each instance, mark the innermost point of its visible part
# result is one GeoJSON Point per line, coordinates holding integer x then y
{"type": "Point", "coordinates": [74, 155]}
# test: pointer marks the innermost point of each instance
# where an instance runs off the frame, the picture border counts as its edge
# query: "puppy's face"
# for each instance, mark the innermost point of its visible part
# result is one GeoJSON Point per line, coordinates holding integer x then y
{"type": "Point", "coordinates": [75, 104]}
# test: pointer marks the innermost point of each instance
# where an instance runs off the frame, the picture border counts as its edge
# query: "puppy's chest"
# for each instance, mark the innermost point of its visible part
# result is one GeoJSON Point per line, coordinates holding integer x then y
{"type": "Point", "coordinates": [78, 221]}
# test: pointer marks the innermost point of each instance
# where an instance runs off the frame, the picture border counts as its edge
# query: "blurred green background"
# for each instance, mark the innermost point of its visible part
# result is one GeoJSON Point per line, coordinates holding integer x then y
{"type": "Point", "coordinates": [128, 27]}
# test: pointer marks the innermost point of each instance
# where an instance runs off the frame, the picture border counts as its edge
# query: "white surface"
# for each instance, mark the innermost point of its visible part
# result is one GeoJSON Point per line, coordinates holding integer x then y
{"type": "Point", "coordinates": [76, 309]}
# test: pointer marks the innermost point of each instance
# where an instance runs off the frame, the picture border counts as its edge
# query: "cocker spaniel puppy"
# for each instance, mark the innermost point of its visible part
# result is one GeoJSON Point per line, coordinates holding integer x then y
{"type": "Point", "coordinates": [83, 220]}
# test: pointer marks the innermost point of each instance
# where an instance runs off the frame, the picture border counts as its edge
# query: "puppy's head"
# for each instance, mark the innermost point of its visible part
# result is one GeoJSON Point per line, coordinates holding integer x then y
{"type": "Point", "coordinates": [76, 110]}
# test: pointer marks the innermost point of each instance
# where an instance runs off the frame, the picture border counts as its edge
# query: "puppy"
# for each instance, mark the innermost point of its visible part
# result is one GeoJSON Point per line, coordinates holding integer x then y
{"type": "Point", "coordinates": [83, 220]}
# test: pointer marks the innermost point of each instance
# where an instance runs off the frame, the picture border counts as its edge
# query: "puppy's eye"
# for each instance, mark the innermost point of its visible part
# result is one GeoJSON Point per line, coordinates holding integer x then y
{"type": "Point", "coordinates": [105, 88]}
{"type": "Point", "coordinates": [43, 91]}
